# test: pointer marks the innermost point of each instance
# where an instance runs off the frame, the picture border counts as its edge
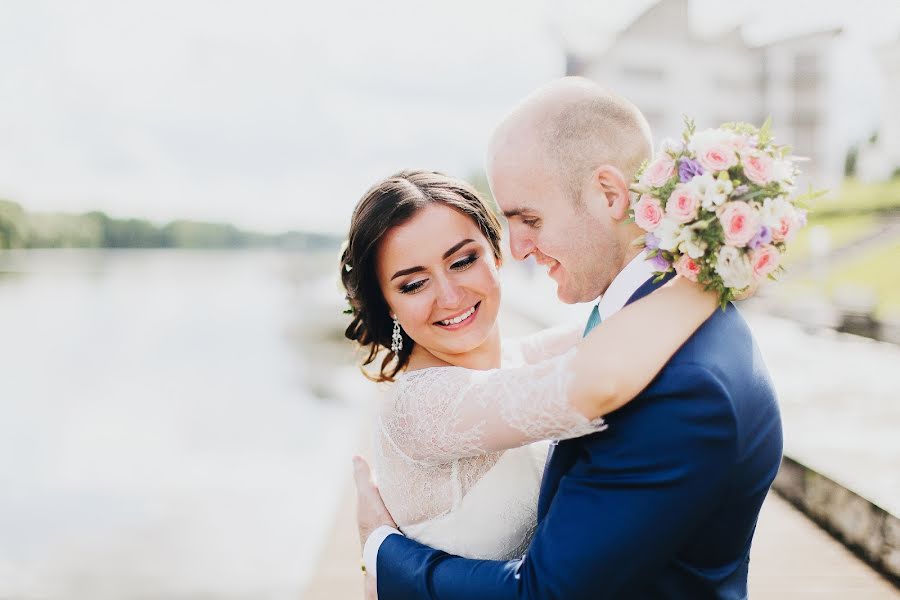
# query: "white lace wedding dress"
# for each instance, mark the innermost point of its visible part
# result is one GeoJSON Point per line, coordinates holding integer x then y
{"type": "Point", "coordinates": [455, 456]}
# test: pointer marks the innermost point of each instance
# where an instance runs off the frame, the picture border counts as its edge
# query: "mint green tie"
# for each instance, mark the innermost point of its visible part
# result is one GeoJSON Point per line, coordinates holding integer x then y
{"type": "Point", "coordinates": [593, 320]}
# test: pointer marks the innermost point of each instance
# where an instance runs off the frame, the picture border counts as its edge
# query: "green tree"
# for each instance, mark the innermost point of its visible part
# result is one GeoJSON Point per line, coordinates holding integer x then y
{"type": "Point", "coordinates": [13, 225]}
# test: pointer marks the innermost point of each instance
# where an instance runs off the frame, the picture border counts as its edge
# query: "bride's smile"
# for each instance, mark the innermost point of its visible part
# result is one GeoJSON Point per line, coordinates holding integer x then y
{"type": "Point", "coordinates": [460, 320]}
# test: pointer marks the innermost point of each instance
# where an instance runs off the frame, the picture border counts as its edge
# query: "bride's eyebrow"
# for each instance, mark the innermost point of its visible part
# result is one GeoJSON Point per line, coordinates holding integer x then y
{"type": "Point", "coordinates": [453, 249]}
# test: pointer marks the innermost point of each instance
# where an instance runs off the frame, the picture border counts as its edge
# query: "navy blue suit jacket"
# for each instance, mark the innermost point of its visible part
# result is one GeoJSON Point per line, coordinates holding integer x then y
{"type": "Point", "coordinates": [662, 504]}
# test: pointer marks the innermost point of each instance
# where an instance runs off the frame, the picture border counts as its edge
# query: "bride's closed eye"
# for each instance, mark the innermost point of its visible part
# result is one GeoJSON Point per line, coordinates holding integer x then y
{"type": "Point", "coordinates": [460, 265]}
{"type": "Point", "coordinates": [464, 263]}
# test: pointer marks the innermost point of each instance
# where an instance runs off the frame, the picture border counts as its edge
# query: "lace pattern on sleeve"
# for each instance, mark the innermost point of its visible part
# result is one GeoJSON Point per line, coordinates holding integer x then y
{"type": "Point", "coordinates": [441, 429]}
{"type": "Point", "coordinates": [445, 413]}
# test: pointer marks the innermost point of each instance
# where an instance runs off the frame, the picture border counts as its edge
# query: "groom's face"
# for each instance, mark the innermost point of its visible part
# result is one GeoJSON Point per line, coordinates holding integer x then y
{"type": "Point", "coordinates": [570, 233]}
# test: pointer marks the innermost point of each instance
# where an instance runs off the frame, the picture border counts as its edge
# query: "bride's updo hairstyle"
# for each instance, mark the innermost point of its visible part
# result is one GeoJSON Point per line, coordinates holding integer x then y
{"type": "Point", "coordinates": [390, 203]}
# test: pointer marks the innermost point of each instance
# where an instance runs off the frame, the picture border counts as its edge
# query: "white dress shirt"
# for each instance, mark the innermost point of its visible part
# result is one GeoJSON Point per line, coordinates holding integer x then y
{"type": "Point", "coordinates": [626, 283]}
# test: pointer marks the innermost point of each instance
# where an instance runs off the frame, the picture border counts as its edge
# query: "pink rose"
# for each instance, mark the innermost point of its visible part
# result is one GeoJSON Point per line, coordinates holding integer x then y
{"type": "Point", "coordinates": [739, 223]}
{"type": "Point", "coordinates": [687, 267]}
{"type": "Point", "coordinates": [682, 205]}
{"type": "Point", "coordinates": [764, 260]}
{"type": "Point", "coordinates": [648, 213]}
{"type": "Point", "coordinates": [719, 157]}
{"type": "Point", "coordinates": [658, 172]}
{"type": "Point", "coordinates": [757, 167]}
{"type": "Point", "coordinates": [784, 228]}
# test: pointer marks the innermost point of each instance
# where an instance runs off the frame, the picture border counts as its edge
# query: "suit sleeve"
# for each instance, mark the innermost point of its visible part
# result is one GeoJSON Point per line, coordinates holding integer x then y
{"type": "Point", "coordinates": [634, 496]}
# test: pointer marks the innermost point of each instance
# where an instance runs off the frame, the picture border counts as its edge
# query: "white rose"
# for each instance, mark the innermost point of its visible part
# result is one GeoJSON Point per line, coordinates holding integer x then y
{"type": "Point", "coordinates": [700, 184]}
{"type": "Point", "coordinates": [713, 199]}
{"type": "Point", "coordinates": [671, 146]}
{"type": "Point", "coordinates": [774, 210]}
{"type": "Point", "coordinates": [669, 233]}
{"type": "Point", "coordinates": [723, 185]}
{"type": "Point", "coordinates": [783, 171]}
{"type": "Point", "coordinates": [690, 244]}
{"type": "Point", "coordinates": [734, 268]}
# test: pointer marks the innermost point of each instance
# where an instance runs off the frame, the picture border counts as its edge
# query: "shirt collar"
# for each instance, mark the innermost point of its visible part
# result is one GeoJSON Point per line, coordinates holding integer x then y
{"type": "Point", "coordinates": [625, 285]}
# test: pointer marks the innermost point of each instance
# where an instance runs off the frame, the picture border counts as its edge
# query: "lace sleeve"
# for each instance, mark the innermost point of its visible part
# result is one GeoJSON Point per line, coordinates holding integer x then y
{"type": "Point", "coordinates": [444, 413]}
{"type": "Point", "coordinates": [548, 343]}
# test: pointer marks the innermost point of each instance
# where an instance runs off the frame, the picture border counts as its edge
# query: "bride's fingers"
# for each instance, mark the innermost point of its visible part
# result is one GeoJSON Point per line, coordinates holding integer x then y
{"type": "Point", "coordinates": [369, 503]}
{"type": "Point", "coordinates": [363, 476]}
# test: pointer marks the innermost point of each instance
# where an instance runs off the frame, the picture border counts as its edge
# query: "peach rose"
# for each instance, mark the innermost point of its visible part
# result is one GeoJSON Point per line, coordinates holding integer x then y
{"type": "Point", "coordinates": [757, 166]}
{"type": "Point", "coordinates": [764, 260]}
{"type": "Point", "coordinates": [648, 213]}
{"type": "Point", "coordinates": [687, 267]}
{"type": "Point", "coordinates": [739, 223]}
{"type": "Point", "coordinates": [714, 149]}
{"type": "Point", "coordinates": [658, 172]}
{"type": "Point", "coordinates": [682, 205]}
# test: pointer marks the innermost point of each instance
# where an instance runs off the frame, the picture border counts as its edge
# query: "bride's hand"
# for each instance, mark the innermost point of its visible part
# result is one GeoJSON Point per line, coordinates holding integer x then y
{"type": "Point", "coordinates": [371, 588]}
{"type": "Point", "coordinates": [371, 513]}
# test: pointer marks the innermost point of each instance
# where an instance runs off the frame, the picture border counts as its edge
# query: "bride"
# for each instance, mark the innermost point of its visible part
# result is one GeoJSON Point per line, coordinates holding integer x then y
{"type": "Point", "coordinates": [455, 452]}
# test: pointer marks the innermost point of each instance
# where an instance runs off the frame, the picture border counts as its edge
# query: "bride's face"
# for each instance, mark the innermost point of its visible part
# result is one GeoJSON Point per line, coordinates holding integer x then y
{"type": "Point", "coordinates": [439, 277]}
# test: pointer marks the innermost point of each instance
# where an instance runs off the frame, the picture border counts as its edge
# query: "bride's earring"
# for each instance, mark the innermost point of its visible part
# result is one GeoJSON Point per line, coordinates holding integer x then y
{"type": "Point", "coordinates": [396, 338]}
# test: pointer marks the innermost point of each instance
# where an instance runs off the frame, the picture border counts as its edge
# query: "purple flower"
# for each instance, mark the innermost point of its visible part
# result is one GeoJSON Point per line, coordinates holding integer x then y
{"type": "Point", "coordinates": [801, 217]}
{"type": "Point", "coordinates": [660, 263]}
{"type": "Point", "coordinates": [651, 242]}
{"type": "Point", "coordinates": [687, 168]}
{"type": "Point", "coordinates": [762, 237]}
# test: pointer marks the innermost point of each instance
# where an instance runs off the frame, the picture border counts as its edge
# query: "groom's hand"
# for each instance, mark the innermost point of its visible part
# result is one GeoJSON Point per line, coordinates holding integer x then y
{"type": "Point", "coordinates": [371, 512]}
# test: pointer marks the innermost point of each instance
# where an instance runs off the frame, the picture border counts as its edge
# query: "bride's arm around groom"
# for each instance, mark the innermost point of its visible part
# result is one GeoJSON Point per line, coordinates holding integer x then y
{"type": "Point", "coordinates": [675, 482]}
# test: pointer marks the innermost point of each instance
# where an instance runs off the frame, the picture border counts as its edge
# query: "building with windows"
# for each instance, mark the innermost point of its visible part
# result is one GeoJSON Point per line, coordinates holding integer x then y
{"type": "Point", "coordinates": [880, 159]}
{"type": "Point", "coordinates": [669, 71]}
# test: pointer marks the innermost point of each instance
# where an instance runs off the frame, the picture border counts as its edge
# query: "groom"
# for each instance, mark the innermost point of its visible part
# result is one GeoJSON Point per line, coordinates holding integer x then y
{"type": "Point", "coordinates": [663, 504]}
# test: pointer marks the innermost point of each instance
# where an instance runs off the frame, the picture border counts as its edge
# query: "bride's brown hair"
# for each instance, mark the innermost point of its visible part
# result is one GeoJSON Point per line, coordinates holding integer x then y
{"type": "Point", "coordinates": [387, 204]}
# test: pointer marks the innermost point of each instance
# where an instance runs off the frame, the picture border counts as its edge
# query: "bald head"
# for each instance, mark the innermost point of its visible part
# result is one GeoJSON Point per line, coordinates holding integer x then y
{"type": "Point", "coordinates": [573, 126]}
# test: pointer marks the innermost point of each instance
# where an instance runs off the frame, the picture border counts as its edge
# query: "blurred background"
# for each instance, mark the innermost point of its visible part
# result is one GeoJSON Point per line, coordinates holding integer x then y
{"type": "Point", "coordinates": [177, 405]}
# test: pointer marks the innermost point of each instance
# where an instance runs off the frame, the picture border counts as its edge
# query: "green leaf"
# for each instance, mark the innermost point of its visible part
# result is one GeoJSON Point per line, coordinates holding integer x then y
{"type": "Point", "coordinates": [765, 132]}
{"type": "Point", "coordinates": [689, 129]}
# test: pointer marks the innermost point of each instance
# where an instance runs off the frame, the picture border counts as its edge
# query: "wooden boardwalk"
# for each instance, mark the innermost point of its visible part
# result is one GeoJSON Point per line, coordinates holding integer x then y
{"type": "Point", "coordinates": [792, 558]}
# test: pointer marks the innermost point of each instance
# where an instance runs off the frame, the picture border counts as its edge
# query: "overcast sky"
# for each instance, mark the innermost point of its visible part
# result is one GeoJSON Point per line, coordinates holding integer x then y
{"type": "Point", "coordinates": [278, 115]}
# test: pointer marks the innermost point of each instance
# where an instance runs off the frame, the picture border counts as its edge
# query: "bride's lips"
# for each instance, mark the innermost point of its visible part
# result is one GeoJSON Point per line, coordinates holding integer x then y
{"type": "Point", "coordinates": [461, 324]}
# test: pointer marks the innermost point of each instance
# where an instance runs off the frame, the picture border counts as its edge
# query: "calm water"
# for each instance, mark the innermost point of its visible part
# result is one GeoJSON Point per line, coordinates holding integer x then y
{"type": "Point", "coordinates": [157, 437]}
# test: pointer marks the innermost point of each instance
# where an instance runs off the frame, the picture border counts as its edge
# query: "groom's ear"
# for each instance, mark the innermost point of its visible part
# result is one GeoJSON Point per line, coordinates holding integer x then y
{"type": "Point", "coordinates": [612, 183]}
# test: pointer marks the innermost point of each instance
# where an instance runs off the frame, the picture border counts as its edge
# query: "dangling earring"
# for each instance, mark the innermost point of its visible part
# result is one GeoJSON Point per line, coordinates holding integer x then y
{"type": "Point", "coordinates": [396, 338]}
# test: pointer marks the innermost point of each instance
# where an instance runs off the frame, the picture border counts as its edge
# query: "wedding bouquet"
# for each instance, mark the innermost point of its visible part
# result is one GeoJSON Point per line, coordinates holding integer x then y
{"type": "Point", "coordinates": [718, 208]}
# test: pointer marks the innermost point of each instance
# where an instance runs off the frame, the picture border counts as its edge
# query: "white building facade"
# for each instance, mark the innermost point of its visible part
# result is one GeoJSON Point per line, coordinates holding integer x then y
{"type": "Point", "coordinates": [668, 72]}
{"type": "Point", "coordinates": [881, 160]}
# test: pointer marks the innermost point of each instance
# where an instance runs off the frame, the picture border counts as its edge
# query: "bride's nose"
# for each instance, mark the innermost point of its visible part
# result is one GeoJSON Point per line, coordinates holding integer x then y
{"type": "Point", "coordinates": [449, 294]}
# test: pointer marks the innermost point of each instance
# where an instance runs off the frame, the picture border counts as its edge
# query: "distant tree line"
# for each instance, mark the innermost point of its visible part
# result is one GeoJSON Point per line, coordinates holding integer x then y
{"type": "Point", "coordinates": [21, 229]}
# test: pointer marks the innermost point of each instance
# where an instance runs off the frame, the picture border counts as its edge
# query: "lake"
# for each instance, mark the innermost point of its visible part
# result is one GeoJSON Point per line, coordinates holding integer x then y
{"type": "Point", "coordinates": [158, 434]}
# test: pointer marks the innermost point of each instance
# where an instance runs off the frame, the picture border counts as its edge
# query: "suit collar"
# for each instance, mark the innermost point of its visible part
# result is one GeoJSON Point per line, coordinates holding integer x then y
{"type": "Point", "coordinates": [649, 286]}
